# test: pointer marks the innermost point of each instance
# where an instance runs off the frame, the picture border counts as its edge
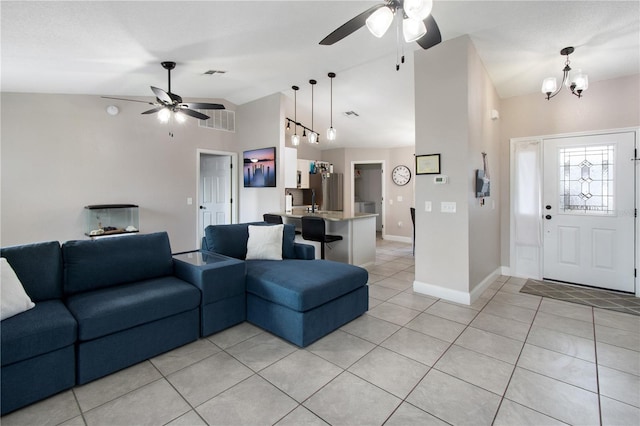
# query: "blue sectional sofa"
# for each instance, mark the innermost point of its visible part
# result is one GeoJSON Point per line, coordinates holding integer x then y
{"type": "Point", "coordinates": [103, 305]}
{"type": "Point", "coordinates": [299, 298]}
{"type": "Point", "coordinates": [38, 346]}
{"type": "Point", "coordinates": [128, 303]}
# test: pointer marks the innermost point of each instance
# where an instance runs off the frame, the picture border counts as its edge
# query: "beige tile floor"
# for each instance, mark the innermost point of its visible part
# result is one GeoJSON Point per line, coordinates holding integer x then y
{"type": "Point", "coordinates": [509, 359]}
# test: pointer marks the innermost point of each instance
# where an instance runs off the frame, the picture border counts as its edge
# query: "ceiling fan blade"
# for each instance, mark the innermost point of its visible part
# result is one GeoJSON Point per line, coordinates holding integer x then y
{"type": "Point", "coordinates": [200, 105]}
{"type": "Point", "coordinates": [433, 36]}
{"type": "Point", "coordinates": [128, 100]}
{"type": "Point", "coordinates": [194, 114]}
{"type": "Point", "coordinates": [153, 110]}
{"type": "Point", "coordinates": [162, 95]}
{"type": "Point", "coordinates": [350, 26]}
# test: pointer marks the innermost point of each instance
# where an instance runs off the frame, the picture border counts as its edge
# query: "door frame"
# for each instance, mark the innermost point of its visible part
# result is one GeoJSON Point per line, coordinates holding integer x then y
{"type": "Point", "coordinates": [234, 186]}
{"type": "Point", "coordinates": [514, 141]}
{"type": "Point", "coordinates": [352, 207]}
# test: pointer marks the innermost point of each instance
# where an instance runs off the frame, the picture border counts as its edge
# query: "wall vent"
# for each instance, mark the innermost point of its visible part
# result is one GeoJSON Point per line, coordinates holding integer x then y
{"type": "Point", "coordinates": [219, 119]}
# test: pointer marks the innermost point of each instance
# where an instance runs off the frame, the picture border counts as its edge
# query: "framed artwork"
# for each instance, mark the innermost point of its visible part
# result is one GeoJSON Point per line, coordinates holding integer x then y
{"type": "Point", "coordinates": [428, 164]}
{"type": "Point", "coordinates": [259, 169]}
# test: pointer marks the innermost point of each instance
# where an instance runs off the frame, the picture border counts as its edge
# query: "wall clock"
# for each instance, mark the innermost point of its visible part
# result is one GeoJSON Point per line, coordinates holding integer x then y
{"type": "Point", "coordinates": [401, 175]}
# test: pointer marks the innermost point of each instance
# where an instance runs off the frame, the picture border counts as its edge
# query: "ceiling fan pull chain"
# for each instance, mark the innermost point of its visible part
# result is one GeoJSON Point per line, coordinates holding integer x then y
{"type": "Point", "coordinates": [398, 45]}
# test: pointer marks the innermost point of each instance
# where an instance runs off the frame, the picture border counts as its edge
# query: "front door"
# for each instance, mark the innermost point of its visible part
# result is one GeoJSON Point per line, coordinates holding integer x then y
{"type": "Point", "coordinates": [589, 210]}
{"type": "Point", "coordinates": [215, 190]}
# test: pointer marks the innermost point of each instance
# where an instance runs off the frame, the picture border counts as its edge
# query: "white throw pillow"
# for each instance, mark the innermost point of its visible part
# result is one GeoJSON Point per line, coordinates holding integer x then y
{"type": "Point", "coordinates": [13, 298]}
{"type": "Point", "coordinates": [265, 242]}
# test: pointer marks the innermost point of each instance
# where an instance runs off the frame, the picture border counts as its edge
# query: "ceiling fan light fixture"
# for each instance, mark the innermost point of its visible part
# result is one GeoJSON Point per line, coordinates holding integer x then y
{"type": "Point", "coordinates": [418, 9]}
{"type": "Point", "coordinates": [180, 117]}
{"type": "Point", "coordinates": [379, 21]}
{"type": "Point", "coordinates": [164, 115]}
{"type": "Point", "coordinates": [413, 29]}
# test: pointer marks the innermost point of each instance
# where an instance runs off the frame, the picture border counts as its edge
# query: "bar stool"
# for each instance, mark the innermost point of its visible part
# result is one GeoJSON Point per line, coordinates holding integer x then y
{"type": "Point", "coordinates": [272, 218]}
{"type": "Point", "coordinates": [313, 229]}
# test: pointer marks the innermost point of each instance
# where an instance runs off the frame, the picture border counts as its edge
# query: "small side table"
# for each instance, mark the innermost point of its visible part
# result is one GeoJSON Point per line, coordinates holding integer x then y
{"type": "Point", "coordinates": [221, 281]}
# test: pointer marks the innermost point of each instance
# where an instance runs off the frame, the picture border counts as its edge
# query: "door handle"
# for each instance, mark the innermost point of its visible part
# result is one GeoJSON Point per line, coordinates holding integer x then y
{"type": "Point", "coordinates": [548, 207]}
{"type": "Point", "coordinates": [203, 208]}
{"type": "Point", "coordinates": [548, 217]}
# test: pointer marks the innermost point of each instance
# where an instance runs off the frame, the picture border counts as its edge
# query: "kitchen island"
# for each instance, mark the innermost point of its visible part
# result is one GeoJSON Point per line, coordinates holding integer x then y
{"type": "Point", "coordinates": [358, 231]}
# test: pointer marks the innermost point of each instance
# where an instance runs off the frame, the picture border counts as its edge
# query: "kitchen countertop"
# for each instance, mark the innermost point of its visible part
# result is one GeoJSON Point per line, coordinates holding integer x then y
{"type": "Point", "coordinates": [335, 216]}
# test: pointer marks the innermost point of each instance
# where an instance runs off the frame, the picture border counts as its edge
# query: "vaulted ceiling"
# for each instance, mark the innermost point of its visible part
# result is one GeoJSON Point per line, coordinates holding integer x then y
{"type": "Point", "coordinates": [115, 48]}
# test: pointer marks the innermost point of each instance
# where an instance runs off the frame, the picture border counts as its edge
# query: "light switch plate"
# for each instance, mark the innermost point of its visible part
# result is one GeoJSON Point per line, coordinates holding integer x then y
{"type": "Point", "coordinates": [427, 206]}
{"type": "Point", "coordinates": [400, 198]}
{"type": "Point", "coordinates": [189, 201]}
{"type": "Point", "coordinates": [448, 207]}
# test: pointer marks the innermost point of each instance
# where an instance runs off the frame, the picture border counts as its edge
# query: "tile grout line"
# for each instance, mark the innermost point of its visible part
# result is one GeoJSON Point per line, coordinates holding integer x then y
{"type": "Point", "coordinates": [595, 350]}
{"type": "Point", "coordinates": [515, 365]}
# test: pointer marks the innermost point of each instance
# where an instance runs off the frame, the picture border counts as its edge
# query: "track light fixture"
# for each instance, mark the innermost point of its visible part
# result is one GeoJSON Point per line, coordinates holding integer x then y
{"type": "Point", "coordinates": [331, 132]}
{"type": "Point", "coordinates": [577, 83]}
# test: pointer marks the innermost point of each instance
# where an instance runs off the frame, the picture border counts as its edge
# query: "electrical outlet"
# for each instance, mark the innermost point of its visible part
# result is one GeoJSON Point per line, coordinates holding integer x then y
{"type": "Point", "coordinates": [189, 201]}
{"type": "Point", "coordinates": [400, 198]}
{"type": "Point", "coordinates": [427, 206]}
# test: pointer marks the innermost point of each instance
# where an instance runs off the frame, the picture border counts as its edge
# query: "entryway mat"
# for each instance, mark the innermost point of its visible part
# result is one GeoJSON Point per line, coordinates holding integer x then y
{"type": "Point", "coordinates": [598, 298]}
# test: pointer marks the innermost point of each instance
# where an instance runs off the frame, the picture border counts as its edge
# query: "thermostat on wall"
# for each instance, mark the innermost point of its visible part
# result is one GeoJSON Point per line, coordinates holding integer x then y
{"type": "Point", "coordinates": [440, 179]}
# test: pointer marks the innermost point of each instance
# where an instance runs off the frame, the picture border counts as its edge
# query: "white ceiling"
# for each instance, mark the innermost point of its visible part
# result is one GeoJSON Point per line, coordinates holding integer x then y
{"type": "Point", "coordinates": [114, 48]}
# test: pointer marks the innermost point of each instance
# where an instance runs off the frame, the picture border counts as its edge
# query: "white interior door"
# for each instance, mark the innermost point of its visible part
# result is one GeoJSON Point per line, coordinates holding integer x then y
{"type": "Point", "coordinates": [215, 190]}
{"type": "Point", "coordinates": [588, 210]}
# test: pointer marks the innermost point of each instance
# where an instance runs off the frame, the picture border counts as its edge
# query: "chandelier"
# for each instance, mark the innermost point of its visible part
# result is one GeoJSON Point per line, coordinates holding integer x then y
{"type": "Point", "coordinates": [577, 83]}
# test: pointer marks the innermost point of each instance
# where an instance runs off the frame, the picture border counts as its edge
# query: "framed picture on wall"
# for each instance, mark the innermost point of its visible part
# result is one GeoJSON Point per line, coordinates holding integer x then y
{"type": "Point", "coordinates": [259, 169]}
{"type": "Point", "coordinates": [428, 164]}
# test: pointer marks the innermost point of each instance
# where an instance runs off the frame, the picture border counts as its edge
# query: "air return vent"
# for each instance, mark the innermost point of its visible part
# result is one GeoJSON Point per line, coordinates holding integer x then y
{"type": "Point", "coordinates": [220, 119]}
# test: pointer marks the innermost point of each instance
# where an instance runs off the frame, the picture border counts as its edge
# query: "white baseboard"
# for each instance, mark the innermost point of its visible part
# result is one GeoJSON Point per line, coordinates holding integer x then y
{"type": "Point", "coordinates": [398, 238]}
{"type": "Point", "coordinates": [457, 296]}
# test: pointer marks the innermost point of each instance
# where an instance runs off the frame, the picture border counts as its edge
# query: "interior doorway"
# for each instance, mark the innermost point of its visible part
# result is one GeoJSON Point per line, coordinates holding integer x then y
{"type": "Point", "coordinates": [216, 190]}
{"type": "Point", "coordinates": [368, 191]}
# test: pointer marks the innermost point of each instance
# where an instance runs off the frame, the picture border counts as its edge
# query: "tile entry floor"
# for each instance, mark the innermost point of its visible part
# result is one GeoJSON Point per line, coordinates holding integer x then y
{"type": "Point", "coordinates": [508, 359]}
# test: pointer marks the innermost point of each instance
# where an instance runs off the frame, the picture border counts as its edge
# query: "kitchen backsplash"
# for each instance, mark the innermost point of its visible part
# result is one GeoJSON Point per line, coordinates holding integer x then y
{"type": "Point", "coordinates": [297, 196]}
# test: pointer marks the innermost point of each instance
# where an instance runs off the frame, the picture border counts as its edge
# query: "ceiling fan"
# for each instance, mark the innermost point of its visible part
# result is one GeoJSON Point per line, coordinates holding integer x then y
{"type": "Point", "coordinates": [167, 102]}
{"type": "Point", "coordinates": [417, 23]}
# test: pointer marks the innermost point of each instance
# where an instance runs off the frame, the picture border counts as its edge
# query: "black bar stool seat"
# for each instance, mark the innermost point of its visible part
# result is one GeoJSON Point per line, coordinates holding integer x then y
{"type": "Point", "coordinates": [272, 218]}
{"type": "Point", "coordinates": [313, 229]}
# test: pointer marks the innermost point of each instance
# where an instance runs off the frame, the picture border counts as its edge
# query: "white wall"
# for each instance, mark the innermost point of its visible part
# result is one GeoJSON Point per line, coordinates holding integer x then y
{"type": "Point", "coordinates": [63, 152]}
{"type": "Point", "coordinates": [455, 252]}
{"type": "Point", "coordinates": [261, 126]}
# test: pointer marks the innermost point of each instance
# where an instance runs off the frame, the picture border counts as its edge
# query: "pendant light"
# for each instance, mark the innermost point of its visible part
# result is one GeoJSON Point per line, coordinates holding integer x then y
{"type": "Point", "coordinates": [313, 136]}
{"type": "Point", "coordinates": [331, 132]}
{"type": "Point", "coordinates": [295, 139]}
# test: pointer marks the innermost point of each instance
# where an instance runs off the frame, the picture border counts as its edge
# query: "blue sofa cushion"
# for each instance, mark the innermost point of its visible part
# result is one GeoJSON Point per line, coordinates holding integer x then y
{"type": "Point", "coordinates": [303, 284]}
{"type": "Point", "coordinates": [231, 240]}
{"type": "Point", "coordinates": [39, 268]}
{"type": "Point", "coordinates": [45, 328]}
{"type": "Point", "coordinates": [113, 309]}
{"type": "Point", "coordinates": [100, 263]}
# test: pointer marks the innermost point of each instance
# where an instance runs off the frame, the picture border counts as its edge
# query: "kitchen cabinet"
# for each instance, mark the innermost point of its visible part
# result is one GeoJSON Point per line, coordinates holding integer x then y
{"type": "Point", "coordinates": [303, 168]}
{"type": "Point", "coordinates": [290, 167]}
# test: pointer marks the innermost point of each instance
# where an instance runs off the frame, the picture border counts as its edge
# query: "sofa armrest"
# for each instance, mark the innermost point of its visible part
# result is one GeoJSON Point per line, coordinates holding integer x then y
{"type": "Point", "coordinates": [216, 276]}
{"type": "Point", "coordinates": [305, 251]}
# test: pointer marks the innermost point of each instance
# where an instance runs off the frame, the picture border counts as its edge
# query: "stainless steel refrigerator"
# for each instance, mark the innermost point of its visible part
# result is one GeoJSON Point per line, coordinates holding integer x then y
{"type": "Point", "coordinates": [329, 190]}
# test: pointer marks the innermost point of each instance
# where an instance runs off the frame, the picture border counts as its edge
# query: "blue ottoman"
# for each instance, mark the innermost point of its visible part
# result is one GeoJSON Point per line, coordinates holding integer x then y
{"type": "Point", "coordinates": [304, 300]}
